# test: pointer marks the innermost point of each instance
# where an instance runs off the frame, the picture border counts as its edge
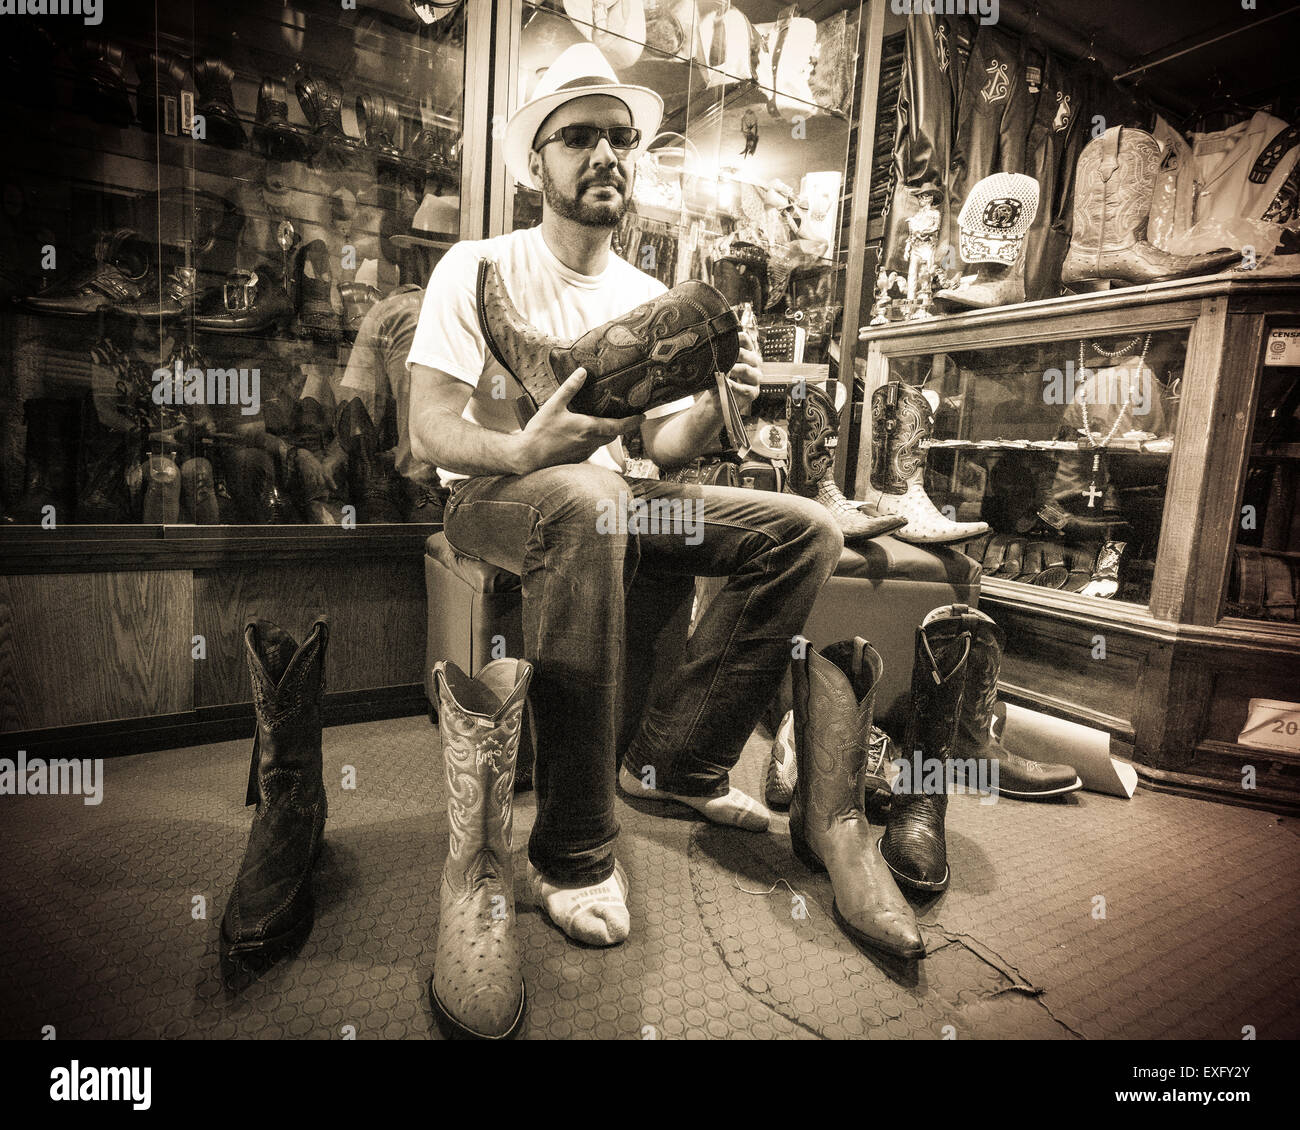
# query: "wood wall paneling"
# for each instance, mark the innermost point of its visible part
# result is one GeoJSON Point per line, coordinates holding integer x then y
{"type": "Point", "coordinates": [376, 611]}
{"type": "Point", "coordinates": [89, 647]}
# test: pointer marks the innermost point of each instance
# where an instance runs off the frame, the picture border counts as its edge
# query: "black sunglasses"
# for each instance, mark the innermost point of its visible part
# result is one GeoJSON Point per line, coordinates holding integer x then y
{"type": "Point", "coordinates": [588, 137]}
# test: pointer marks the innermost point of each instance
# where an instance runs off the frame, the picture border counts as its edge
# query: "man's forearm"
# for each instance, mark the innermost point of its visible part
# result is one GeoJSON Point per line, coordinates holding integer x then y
{"type": "Point", "coordinates": [688, 433]}
{"type": "Point", "coordinates": [447, 440]}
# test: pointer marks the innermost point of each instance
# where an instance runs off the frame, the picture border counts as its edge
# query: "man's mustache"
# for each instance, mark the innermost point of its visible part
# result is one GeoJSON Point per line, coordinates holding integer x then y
{"type": "Point", "coordinates": [605, 182]}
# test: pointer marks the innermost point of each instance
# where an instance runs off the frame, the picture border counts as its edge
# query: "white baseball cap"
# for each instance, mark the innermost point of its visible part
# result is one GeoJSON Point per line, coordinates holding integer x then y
{"type": "Point", "coordinates": [579, 71]}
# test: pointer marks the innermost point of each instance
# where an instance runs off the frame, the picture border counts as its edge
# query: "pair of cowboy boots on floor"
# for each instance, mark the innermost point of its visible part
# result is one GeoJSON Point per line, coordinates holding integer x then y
{"type": "Point", "coordinates": [477, 988]}
{"type": "Point", "coordinates": [840, 772]}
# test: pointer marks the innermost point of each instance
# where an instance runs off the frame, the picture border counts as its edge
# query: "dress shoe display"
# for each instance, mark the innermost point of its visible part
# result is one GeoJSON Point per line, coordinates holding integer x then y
{"type": "Point", "coordinates": [216, 103]}
{"type": "Point", "coordinates": [1017, 776]}
{"type": "Point", "coordinates": [913, 844]}
{"type": "Point", "coordinates": [249, 302]}
{"type": "Point", "coordinates": [1114, 181]}
{"type": "Point", "coordinates": [165, 295]}
{"type": "Point", "coordinates": [814, 431]}
{"type": "Point", "coordinates": [271, 907]}
{"type": "Point", "coordinates": [118, 277]}
{"type": "Point", "coordinates": [834, 698]}
{"type": "Point", "coordinates": [664, 349]}
{"type": "Point", "coordinates": [477, 988]}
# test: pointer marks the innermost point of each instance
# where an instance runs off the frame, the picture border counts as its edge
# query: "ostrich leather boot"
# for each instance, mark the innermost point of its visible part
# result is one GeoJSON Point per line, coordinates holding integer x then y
{"type": "Point", "coordinates": [834, 696]}
{"type": "Point", "coordinates": [814, 430]}
{"type": "Point", "coordinates": [913, 844]}
{"type": "Point", "coordinates": [662, 350]}
{"type": "Point", "coordinates": [477, 987]}
{"type": "Point", "coordinates": [901, 422]}
{"type": "Point", "coordinates": [1017, 776]}
{"type": "Point", "coordinates": [271, 908]}
{"type": "Point", "coordinates": [1113, 185]}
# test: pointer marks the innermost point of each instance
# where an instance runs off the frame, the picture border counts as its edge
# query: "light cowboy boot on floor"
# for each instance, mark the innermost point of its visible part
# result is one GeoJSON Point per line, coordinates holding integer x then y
{"type": "Point", "coordinates": [270, 908]}
{"type": "Point", "coordinates": [1017, 776]}
{"type": "Point", "coordinates": [901, 421]}
{"type": "Point", "coordinates": [1113, 185]}
{"type": "Point", "coordinates": [814, 429]}
{"type": "Point", "coordinates": [913, 844]}
{"type": "Point", "coordinates": [995, 219]}
{"type": "Point", "coordinates": [834, 696]}
{"type": "Point", "coordinates": [477, 987]}
{"type": "Point", "coordinates": [665, 349]}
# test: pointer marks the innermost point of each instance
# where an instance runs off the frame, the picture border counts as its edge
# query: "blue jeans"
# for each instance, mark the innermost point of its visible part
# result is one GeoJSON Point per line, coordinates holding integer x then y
{"type": "Point", "coordinates": [606, 562]}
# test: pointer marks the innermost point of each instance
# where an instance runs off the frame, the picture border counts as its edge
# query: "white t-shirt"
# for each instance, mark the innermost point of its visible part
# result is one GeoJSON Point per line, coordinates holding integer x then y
{"type": "Point", "coordinates": [550, 296]}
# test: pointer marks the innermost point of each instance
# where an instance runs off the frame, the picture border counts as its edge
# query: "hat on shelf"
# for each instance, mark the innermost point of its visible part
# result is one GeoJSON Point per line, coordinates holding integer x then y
{"type": "Point", "coordinates": [579, 72]}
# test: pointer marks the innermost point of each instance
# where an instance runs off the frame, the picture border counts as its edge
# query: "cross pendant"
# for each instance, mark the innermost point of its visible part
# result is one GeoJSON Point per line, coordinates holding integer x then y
{"type": "Point", "coordinates": [1092, 494]}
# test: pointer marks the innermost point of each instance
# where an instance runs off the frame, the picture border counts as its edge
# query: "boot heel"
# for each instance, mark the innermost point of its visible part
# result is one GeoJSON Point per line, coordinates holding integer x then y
{"type": "Point", "coordinates": [803, 853]}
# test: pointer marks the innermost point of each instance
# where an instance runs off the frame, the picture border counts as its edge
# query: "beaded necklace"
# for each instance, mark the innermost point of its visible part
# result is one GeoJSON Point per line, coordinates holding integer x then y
{"type": "Point", "coordinates": [1092, 493]}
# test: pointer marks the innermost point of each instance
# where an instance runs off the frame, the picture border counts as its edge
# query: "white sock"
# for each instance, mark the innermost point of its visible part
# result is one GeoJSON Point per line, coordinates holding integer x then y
{"type": "Point", "coordinates": [594, 914]}
{"type": "Point", "coordinates": [736, 809]}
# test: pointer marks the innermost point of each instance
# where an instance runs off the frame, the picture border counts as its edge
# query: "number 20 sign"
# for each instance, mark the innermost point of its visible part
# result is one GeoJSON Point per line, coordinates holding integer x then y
{"type": "Point", "coordinates": [1271, 724]}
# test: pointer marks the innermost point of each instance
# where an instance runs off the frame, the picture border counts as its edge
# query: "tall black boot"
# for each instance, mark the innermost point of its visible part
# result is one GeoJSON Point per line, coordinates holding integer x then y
{"type": "Point", "coordinates": [913, 844]}
{"type": "Point", "coordinates": [271, 907]}
{"type": "Point", "coordinates": [1017, 776]}
{"type": "Point", "coordinates": [374, 486]}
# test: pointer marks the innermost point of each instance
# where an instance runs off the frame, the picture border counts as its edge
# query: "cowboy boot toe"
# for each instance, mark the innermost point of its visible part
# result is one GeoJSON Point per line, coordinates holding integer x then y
{"type": "Point", "coordinates": [477, 988]}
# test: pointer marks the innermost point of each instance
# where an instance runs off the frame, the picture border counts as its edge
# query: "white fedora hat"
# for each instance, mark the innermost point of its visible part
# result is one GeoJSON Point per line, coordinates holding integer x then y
{"type": "Point", "coordinates": [580, 70]}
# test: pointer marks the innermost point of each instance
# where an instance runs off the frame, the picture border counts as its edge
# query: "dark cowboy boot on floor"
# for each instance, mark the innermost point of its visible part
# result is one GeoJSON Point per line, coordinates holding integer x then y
{"type": "Point", "coordinates": [477, 988]}
{"type": "Point", "coordinates": [834, 697]}
{"type": "Point", "coordinates": [913, 844]}
{"type": "Point", "coordinates": [1017, 776]}
{"type": "Point", "coordinates": [667, 348]}
{"type": "Point", "coordinates": [814, 430]}
{"type": "Point", "coordinates": [270, 908]}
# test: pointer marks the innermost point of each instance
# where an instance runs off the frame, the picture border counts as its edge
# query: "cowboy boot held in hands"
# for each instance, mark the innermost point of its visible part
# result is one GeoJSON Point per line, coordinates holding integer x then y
{"type": "Point", "coordinates": [665, 349]}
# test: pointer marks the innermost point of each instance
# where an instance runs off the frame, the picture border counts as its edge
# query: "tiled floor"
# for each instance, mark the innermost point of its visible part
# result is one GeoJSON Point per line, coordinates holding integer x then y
{"type": "Point", "coordinates": [101, 936]}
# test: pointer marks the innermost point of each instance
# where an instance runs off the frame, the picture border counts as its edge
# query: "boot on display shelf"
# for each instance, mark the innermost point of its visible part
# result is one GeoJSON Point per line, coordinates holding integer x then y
{"type": "Point", "coordinates": [913, 844]}
{"type": "Point", "coordinates": [662, 350]}
{"type": "Point", "coordinates": [49, 476]}
{"type": "Point", "coordinates": [994, 221]}
{"type": "Point", "coordinates": [1017, 776]}
{"type": "Point", "coordinates": [901, 422]}
{"type": "Point", "coordinates": [1114, 182]}
{"type": "Point", "coordinates": [477, 988]}
{"type": "Point", "coordinates": [834, 697]}
{"type": "Point", "coordinates": [814, 426]}
{"type": "Point", "coordinates": [100, 89]}
{"type": "Point", "coordinates": [271, 906]}
{"type": "Point", "coordinates": [374, 486]}
{"type": "Point", "coordinates": [216, 104]}
{"type": "Point", "coordinates": [158, 98]}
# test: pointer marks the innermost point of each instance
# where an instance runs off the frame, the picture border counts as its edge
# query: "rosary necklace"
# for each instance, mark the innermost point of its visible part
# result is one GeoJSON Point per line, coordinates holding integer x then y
{"type": "Point", "coordinates": [1092, 493]}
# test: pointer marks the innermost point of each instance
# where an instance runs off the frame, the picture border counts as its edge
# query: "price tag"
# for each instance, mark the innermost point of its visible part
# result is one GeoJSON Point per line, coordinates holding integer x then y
{"type": "Point", "coordinates": [1283, 348]}
{"type": "Point", "coordinates": [1271, 724]}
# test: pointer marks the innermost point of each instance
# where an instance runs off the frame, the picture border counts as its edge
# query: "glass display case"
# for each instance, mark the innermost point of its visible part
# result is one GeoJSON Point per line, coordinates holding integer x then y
{"type": "Point", "coordinates": [1264, 581]}
{"type": "Point", "coordinates": [1062, 448]}
{"type": "Point", "coordinates": [747, 183]}
{"type": "Point", "coordinates": [216, 220]}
